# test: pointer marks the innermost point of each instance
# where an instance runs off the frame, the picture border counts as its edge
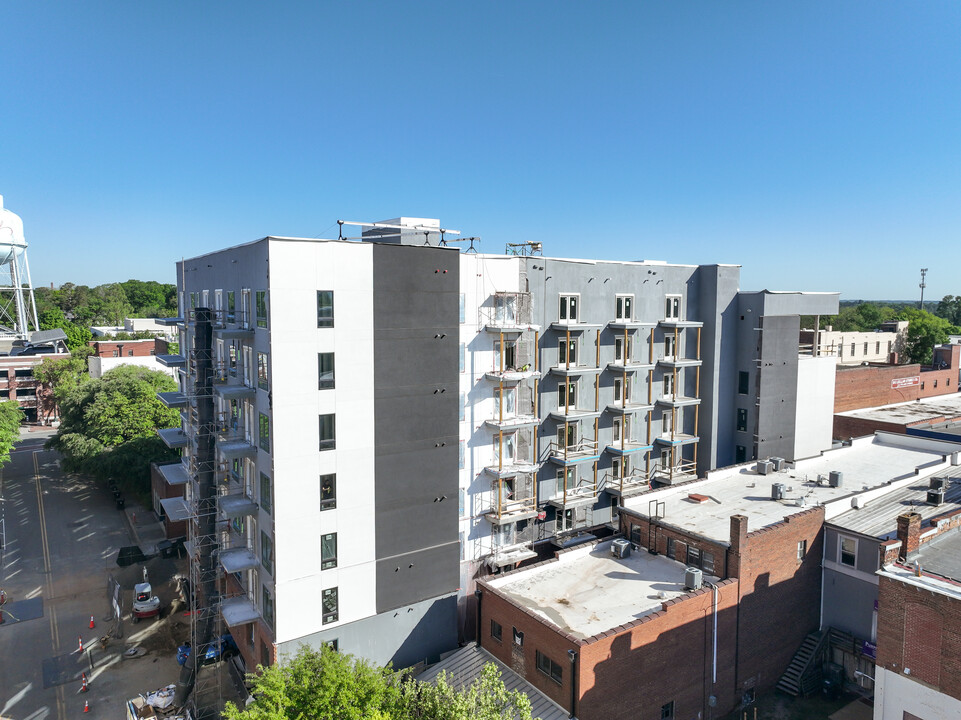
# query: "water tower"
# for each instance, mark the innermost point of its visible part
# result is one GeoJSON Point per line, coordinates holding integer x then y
{"type": "Point", "coordinates": [18, 311]}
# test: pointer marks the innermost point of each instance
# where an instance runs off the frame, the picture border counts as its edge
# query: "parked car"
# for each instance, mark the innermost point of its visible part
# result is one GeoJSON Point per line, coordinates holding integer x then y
{"type": "Point", "coordinates": [219, 649]}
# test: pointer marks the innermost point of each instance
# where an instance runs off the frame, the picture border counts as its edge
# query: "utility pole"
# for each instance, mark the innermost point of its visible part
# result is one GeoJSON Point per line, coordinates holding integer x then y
{"type": "Point", "coordinates": [924, 271]}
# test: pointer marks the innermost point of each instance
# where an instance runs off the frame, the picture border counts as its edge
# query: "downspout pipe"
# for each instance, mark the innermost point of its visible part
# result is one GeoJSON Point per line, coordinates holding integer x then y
{"type": "Point", "coordinates": [712, 699]}
{"type": "Point", "coordinates": [478, 594]}
{"type": "Point", "coordinates": [572, 655]}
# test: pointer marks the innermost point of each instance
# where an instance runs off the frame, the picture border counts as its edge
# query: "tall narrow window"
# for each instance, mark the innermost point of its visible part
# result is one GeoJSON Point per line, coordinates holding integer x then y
{"type": "Point", "coordinates": [268, 607]}
{"type": "Point", "coordinates": [328, 492]}
{"type": "Point", "coordinates": [231, 307]}
{"type": "Point", "coordinates": [567, 394]}
{"type": "Point", "coordinates": [328, 551]}
{"type": "Point", "coordinates": [622, 390]}
{"type": "Point", "coordinates": [567, 352]}
{"type": "Point", "coordinates": [848, 551]}
{"type": "Point", "coordinates": [261, 309]}
{"type": "Point", "coordinates": [329, 605]}
{"type": "Point", "coordinates": [327, 432]}
{"type": "Point", "coordinates": [267, 552]}
{"type": "Point", "coordinates": [569, 309]}
{"type": "Point", "coordinates": [741, 419]}
{"type": "Point", "coordinates": [262, 371]}
{"type": "Point", "coordinates": [622, 350]}
{"type": "Point", "coordinates": [325, 308]}
{"type": "Point", "coordinates": [266, 495]}
{"type": "Point", "coordinates": [325, 370]}
{"type": "Point", "coordinates": [743, 382]}
{"type": "Point", "coordinates": [264, 432]}
{"type": "Point", "coordinates": [624, 308]}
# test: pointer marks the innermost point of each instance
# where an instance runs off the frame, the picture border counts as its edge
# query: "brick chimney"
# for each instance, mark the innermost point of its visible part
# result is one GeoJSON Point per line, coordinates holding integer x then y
{"type": "Point", "coordinates": [738, 532]}
{"type": "Point", "coordinates": [909, 533]}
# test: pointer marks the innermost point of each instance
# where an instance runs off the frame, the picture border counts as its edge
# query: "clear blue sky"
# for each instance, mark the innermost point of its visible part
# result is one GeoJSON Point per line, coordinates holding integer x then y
{"type": "Point", "coordinates": [817, 144]}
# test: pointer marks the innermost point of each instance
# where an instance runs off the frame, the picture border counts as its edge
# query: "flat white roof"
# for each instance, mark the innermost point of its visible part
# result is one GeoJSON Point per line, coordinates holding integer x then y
{"type": "Point", "coordinates": [587, 591]}
{"type": "Point", "coordinates": [911, 412]}
{"type": "Point", "coordinates": [869, 463]}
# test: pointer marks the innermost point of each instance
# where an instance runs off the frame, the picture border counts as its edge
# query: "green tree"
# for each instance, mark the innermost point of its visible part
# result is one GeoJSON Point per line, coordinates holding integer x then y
{"type": "Point", "coordinates": [150, 298]}
{"type": "Point", "coordinates": [110, 305]}
{"type": "Point", "coordinates": [77, 335]}
{"type": "Point", "coordinates": [59, 376]}
{"type": "Point", "coordinates": [924, 332]}
{"type": "Point", "coordinates": [327, 685]}
{"type": "Point", "coordinates": [107, 421]}
{"type": "Point", "coordinates": [10, 418]}
{"type": "Point", "coordinates": [949, 308]}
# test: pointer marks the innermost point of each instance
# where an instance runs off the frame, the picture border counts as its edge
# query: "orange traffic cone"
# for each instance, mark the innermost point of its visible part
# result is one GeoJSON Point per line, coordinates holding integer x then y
{"type": "Point", "coordinates": [86, 706]}
{"type": "Point", "coordinates": [80, 644]}
{"type": "Point", "coordinates": [91, 621]}
{"type": "Point", "coordinates": [83, 687]}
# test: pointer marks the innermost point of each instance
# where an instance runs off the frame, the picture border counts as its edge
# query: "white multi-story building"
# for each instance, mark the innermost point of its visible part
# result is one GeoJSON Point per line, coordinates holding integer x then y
{"type": "Point", "coordinates": [360, 387]}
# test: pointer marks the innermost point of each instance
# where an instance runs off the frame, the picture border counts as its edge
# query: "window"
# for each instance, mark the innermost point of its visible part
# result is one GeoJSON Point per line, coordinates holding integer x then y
{"type": "Point", "coordinates": [624, 307]}
{"type": "Point", "coordinates": [743, 383]}
{"type": "Point", "coordinates": [325, 370]}
{"type": "Point", "coordinates": [328, 551]}
{"type": "Point", "coordinates": [550, 668]}
{"type": "Point", "coordinates": [268, 606]}
{"type": "Point", "coordinates": [693, 556]}
{"type": "Point", "coordinates": [852, 349]}
{"type": "Point", "coordinates": [568, 310]}
{"type": "Point", "coordinates": [672, 307]}
{"type": "Point", "coordinates": [707, 562]}
{"type": "Point", "coordinates": [622, 388]}
{"type": "Point", "coordinates": [328, 438]}
{"type": "Point", "coordinates": [264, 432]}
{"type": "Point", "coordinates": [325, 308]}
{"type": "Point", "coordinates": [497, 632]}
{"type": "Point", "coordinates": [566, 480]}
{"type": "Point", "coordinates": [461, 501]}
{"type": "Point", "coordinates": [231, 307]}
{"type": "Point", "coordinates": [741, 419]}
{"type": "Point", "coordinates": [130, 354]}
{"type": "Point", "coordinates": [889, 347]}
{"type": "Point", "coordinates": [328, 492]}
{"type": "Point", "coordinates": [463, 357]}
{"type": "Point", "coordinates": [332, 644]}
{"type": "Point", "coordinates": [232, 359]}
{"type": "Point", "coordinates": [262, 371]}
{"type": "Point", "coordinates": [670, 346]}
{"type": "Point", "coordinates": [877, 348]}
{"type": "Point", "coordinates": [205, 299]}
{"type": "Point", "coordinates": [671, 548]}
{"type": "Point", "coordinates": [567, 352]}
{"type": "Point", "coordinates": [619, 354]}
{"type": "Point", "coordinates": [865, 348]}
{"type": "Point", "coordinates": [266, 552]}
{"type": "Point", "coordinates": [848, 551]}
{"type": "Point", "coordinates": [667, 711]}
{"type": "Point", "coordinates": [265, 493]}
{"type": "Point", "coordinates": [461, 452]}
{"type": "Point", "coordinates": [567, 394]}
{"type": "Point", "coordinates": [329, 605]}
{"type": "Point", "coordinates": [261, 303]}
{"type": "Point", "coordinates": [116, 353]}
{"type": "Point", "coordinates": [463, 314]}
{"type": "Point", "coordinates": [518, 637]}
{"type": "Point", "coordinates": [622, 424]}
{"type": "Point", "coordinates": [740, 454]}
{"type": "Point", "coordinates": [461, 406]}
{"type": "Point", "coordinates": [802, 549]}
{"type": "Point", "coordinates": [935, 382]}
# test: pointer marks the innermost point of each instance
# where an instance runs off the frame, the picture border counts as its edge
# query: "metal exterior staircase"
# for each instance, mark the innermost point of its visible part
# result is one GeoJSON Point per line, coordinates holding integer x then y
{"type": "Point", "coordinates": [803, 675]}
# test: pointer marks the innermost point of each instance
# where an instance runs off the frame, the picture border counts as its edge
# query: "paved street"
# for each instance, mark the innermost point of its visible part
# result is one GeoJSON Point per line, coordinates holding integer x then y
{"type": "Point", "coordinates": [62, 537]}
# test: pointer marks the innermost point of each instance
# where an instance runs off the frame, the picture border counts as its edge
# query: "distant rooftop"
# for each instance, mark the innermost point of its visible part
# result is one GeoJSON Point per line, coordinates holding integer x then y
{"type": "Point", "coordinates": [869, 463]}
{"type": "Point", "coordinates": [879, 517]}
{"type": "Point", "coordinates": [939, 563]}
{"type": "Point", "coordinates": [947, 406]}
{"type": "Point", "coordinates": [587, 591]}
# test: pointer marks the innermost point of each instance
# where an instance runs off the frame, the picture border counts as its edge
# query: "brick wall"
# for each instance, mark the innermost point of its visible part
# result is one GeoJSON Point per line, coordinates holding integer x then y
{"type": "Point", "coordinates": [918, 630]}
{"type": "Point", "coordinates": [129, 348]}
{"type": "Point", "coordinates": [161, 490]}
{"type": "Point", "coordinates": [846, 427]}
{"type": "Point", "coordinates": [865, 386]}
{"type": "Point", "coordinates": [780, 596]}
{"type": "Point", "coordinates": [253, 653]}
{"type": "Point", "coordinates": [638, 529]}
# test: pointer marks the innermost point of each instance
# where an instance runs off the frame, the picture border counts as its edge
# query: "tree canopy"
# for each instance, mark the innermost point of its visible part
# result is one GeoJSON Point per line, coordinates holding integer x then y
{"type": "Point", "coordinates": [108, 425]}
{"type": "Point", "coordinates": [58, 376]}
{"type": "Point", "coordinates": [328, 685]}
{"type": "Point", "coordinates": [10, 418]}
{"type": "Point", "coordinates": [924, 332]}
{"type": "Point", "coordinates": [107, 304]}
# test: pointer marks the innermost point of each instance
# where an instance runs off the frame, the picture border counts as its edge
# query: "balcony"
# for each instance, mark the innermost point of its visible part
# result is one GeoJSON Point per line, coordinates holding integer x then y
{"type": "Point", "coordinates": [174, 438]}
{"type": "Point", "coordinates": [568, 370]}
{"type": "Point", "coordinates": [673, 361]}
{"type": "Point", "coordinates": [628, 486]}
{"type": "Point", "coordinates": [514, 411]}
{"type": "Point", "coordinates": [513, 501]}
{"type": "Point", "coordinates": [238, 559]}
{"type": "Point", "coordinates": [677, 401]}
{"type": "Point", "coordinates": [582, 451]}
{"type": "Point", "coordinates": [675, 439]}
{"type": "Point", "coordinates": [630, 325]}
{"type": "Point", "coordinates": [628, 446]}
{"type": "Point", "coordinates": [510, 546]}
{"type": "Point", "coordinates": [574, 326]}
{"type": "Point", "coordinates": [508, 312]}
{"type": "Point", "coordinates": [175, 399]}
{"type": "Point", "coordinates": [238, 611]}
{"type": "Point", "coordinates": [583, 492]}
{"type": "Point", "coordinates": [510, 468]}
{"type": "Point", "coordinates": [626, 408]}
{"type": "Point", "coordinates": [234, 449]}
{"type": "Point", "coordinates": [234, 333]}
{"type": "Point", "coordinates": [573, 414]}
{"type": "Point", "coordinates": [175, 509]}
{"type": "Point", "coordinates": [236, 505]}
{"type": "Point", "coordinates": [682, 471]}
{"type": "Point", "coordinates": [235, 392]}
{"type": "Point", "coordinates": [620, 366]}
{"type": "Point", "coordinates": [174, 473]}
{"type": "Point", "coordinates": [172, 361]}
{"type": "Point", "coordinates": [679, 324]}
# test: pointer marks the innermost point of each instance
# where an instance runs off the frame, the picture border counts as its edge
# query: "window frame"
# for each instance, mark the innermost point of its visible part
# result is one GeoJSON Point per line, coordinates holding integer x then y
{"type": "Point", "coordinates": [267, 552]}
{"type": "Point", "coordinates": [231, 307]}
{"type": "Point", "coordinates": [264, 432]}
{"type": "Point", "coordinates": [569, 306]}
{"type": "Point", "coordinates": [741, 420]}
{"type": "Point", "coordinates": [842, 553]}
{"type": "Point", "coordinates": [624, 307]}
{"type": "Point", "coordinates": [266, 494]}
{"type": "Point", "coordinates": [328, 551]}
{"type": "Point", "coordinates": [326, 378]}
{"type": "Point", "coordinates": [325, 311]}
{"type": "Point", "coordinates": [327, 441]}
{"type": "Point", "coordinates": [549, 667]}
{"type": "Point", "coordinates": [263, 379]}
{"type": "Point", "coordinates": [673, 306]}
{"type": "Point", "coordinates": [743, 382]}
{"type": "Point", "coordinates": [329, 503]}
{"type": "Point", "coordinates": [260, 307]}
{"type": "Point", "coordinates": [497, 630]}
{"type": "Point", "coordinates": [802, 549]}
{"type": "Point", "coordinates": [329, 605]}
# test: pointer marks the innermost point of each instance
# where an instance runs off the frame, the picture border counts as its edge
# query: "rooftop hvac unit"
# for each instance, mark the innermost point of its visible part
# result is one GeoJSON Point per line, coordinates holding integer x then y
{"type": "Point", "coordinates": [935, 497]}
{"type": "Point", "coordinates": [835, 478]}
{"type": "Point", "coordinates": [764, 467]}
{"type": "Point", "coordinates": [777, 462]}
{"type": "Point", "coordinates": [937, 483]}
{"type": "Point", "coordinates": [777, 491]}
{"type": "Point", "coordinates": [693, 578]}
{"type": "Point", "coordinates": [620, 548]}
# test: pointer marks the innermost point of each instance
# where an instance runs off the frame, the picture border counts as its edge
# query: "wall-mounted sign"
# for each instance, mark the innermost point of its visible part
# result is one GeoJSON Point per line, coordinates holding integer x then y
{"type": "Point", "coordinates": [899, 383]}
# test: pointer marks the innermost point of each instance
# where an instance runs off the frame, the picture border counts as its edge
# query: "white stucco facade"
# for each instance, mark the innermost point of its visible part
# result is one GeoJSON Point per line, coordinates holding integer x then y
{"type": "Point", "coordinates": [896, 694]}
